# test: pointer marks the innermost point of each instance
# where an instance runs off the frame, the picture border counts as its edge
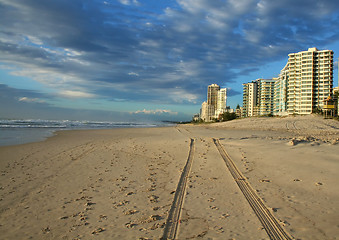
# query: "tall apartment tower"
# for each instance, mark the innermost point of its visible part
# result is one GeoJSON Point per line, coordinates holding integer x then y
{"type": "Point", "coordinates": [280, 93]}
{"type": "Point", "coordinates": [212, 95]}
{"type": "Point", "coordinates": [204, 111]}
{"type": "Point", "coordinates": [215, 104]}
{"type": "Point", "coordinates": [265, 96]}
{"type": "Point", "coordinates": [212, 100]}
{"type": "Point", "coordinates": [250, 99]}
{"type": "Point", "coordinates": [258, 97]}
{"type": "Point", "coordinates": [221, 102]}
{"type": "Point", "coordinates": [310, 80]}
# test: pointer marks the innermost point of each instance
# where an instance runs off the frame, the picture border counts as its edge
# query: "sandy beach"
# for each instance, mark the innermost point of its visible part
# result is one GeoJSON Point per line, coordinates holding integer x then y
{"type": "Point", "coordinates": [120, 183]}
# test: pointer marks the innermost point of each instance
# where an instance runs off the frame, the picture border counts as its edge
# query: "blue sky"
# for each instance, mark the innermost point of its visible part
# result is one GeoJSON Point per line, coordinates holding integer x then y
{"type": "Point", "coordinates": [147, 59]}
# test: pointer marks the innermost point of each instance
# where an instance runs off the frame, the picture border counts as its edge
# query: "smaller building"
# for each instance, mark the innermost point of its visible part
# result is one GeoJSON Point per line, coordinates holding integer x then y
{"type": "Point", "coordinates": [215, 104]}
{"type": "Point", "coordinates": [258, 97]}
{"type": "Point", "coordinates": [329, 107]}
{"type": "Point", "coordinates": [196, 118]}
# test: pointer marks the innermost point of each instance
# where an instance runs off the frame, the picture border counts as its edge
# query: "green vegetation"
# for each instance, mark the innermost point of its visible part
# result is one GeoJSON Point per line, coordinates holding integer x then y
{"type": "Point", "coordinates": [228, 116]}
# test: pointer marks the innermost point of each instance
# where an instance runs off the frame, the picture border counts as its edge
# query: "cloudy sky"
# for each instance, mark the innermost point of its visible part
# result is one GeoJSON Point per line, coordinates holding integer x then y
{"type": "Point", "coordinates": [119, 59]}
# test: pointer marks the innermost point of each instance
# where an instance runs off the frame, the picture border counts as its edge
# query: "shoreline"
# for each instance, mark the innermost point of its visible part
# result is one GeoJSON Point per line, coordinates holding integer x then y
{"type": "Point", "coordinates": [120, 183]}
{"type": "Point", "coordinates": [19, 136]}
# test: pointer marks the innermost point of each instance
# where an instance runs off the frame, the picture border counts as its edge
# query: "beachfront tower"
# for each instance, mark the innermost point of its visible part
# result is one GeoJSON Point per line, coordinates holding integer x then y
{"type": "Point", "coordinates": [310, 80]}
{"type": "Point", "coordinates": [212, 95]}
{"type": "Point", "coordinates": [221, 102]}
{"type": "Point", "coordinates": [250, 99]}
{"type": "Point", "coordinates": [280, 93]}
{"type": "Point", "coordinates": [265, 96]}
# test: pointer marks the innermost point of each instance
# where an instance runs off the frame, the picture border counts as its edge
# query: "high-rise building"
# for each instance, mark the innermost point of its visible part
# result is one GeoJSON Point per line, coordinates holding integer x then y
{"type": "Point", "coordinates": [303, 86]}
{"type": "Point", "coordinates": [265, 96]}
{"type": "Point", "coordinates": [215, 104]}
{"type": "Point", "coordinates": [280, 93]}
{"type": "Point", "coordinates": [204, 111]}
{"type": "Point", "coordinates": [221, 102]}
{"type": "Point", "coordinates": [258, 97]}
{"type": "Point", "coordinates": [250, 99]}
{"type": "Point", "coordinates": [212, 95]}
{"type": "Point", "coordinates": [310, 80]}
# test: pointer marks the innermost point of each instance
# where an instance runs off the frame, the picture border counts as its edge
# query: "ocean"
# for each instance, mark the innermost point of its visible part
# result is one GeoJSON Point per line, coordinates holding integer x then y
{"type": "Point", "coordinates": [13, 132]}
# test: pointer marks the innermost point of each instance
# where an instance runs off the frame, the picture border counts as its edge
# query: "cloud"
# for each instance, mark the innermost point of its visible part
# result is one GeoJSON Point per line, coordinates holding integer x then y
{"type": "Point", "coordinates": [170, 50]}
{"type": "Point", "coordinates": [76, 94]}
{"type": "Point", "coordinates": [155, 112]}
{"type": "Point", "coordinates": [133, 74]}
{"type": "Point", "coordinates": [13, 105]}
{"type": "Point", "coordinates": [129, 2]}
{"type": "Point", "coordinates": [31, 100]}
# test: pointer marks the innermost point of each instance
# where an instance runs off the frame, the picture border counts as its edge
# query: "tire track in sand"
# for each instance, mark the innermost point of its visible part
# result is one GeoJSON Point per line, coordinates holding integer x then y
{"type": "Point", "coordinates": [172, 223]}
{"type": "Point", "coordinates": [271, 225]}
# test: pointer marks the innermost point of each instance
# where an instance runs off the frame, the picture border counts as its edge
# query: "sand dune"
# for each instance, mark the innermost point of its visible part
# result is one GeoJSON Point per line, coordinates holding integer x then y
{"type": "Point", "coordinates": [120, 184]}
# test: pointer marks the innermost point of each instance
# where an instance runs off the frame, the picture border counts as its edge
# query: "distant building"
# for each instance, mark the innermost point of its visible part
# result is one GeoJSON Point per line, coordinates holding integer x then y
{"type": "Point", "coordinates": [212, 95]}
{"type": "Point", "coordinates": [238, 112]}
{"type": "Point", "coordinates": [215, 104]}
{"type": "Point", "coordinates": [221, 102]}
{"type": "Point", "coordinates": [304, 86]}
{"type": "Point", "coordinates": [265, 96]}
{"type": "Point", "coordinates": [258, 97]}
{"type": "Point", "coordinates": [280, 93]}
{"type": "Point", "coordinates": [196, 118]}
{"type": "Point", "coordinates": [250, 99]}
{"type": "Point", "coordinates": [204, 111]}
{"type": "Point", "coordinates": [310, 80]}
{"type": "Point", "coordinates": [336, 100]}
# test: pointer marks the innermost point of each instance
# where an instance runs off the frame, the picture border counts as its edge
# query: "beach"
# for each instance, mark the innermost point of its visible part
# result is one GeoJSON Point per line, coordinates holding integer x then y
{"type": "Point", "coordinates": [120, 183]}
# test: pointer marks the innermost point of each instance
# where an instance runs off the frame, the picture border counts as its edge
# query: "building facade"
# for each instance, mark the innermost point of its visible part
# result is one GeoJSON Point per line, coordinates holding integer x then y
{"type": "Point", "coordinates": [302, 87]}
{"type": "Point", "coordinates": [204, 111]}
{"type": "Point", "coordinates": [250, 99]}
{"type": "Point", "coordinates": [212, 95]}
{"type": "Point", "coordinates": [280, 93]}
{"type": "Point", "coordinates": [310, 80]}
{"type": "Point", "coordinates": [221, 102]}
{"type": "Point", "coordinates": [265, 95]}
{"type": "Point", "coordinates": [215, 104]}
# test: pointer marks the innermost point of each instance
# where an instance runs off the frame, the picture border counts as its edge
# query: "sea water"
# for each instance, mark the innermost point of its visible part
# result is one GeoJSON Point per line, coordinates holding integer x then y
{"type": "Point", "coordinates": [14, 132]}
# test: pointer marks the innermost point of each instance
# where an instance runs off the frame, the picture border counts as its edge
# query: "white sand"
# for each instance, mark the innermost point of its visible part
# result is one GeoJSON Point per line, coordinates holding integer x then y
{"type": "Point", "coordinates": [119, 184]}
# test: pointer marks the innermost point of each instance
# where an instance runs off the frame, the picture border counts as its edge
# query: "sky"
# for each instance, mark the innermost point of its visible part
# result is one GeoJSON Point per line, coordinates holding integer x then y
{"type": "Point", "coordinates": [131, 60]}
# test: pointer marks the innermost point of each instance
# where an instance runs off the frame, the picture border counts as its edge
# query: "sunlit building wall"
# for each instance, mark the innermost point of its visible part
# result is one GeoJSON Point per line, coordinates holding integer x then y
{"type": "Point", "coordinates": [280, 93]}
{"type": "Point", "coordinates": [250, 99]}
{"type": "Point", "coordinates": [310, 80]}
{"type": "Point", "coordinates": [221, 102]}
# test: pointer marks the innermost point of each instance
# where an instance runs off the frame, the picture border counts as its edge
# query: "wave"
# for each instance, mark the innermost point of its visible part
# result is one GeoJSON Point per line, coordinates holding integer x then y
{"type": "Point", "coordinates": [71, 124]}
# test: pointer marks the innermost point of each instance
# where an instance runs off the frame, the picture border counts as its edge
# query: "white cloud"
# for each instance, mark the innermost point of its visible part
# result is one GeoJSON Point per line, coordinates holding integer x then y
{"type": "Point", "coordinates": [154, 112]}
{"type": "Point", "coordinates": [133, 74]}
{"type": "Point", "coordinates": [31, 100]}
{"type": "Point", "coordinates": [35, 40]}
{"type": "Point", "coordinates": [180, 95]}
{"type": "Point", "coordinates": [76, 94]}
{"type": "Point", "coordinates": [129, 2]}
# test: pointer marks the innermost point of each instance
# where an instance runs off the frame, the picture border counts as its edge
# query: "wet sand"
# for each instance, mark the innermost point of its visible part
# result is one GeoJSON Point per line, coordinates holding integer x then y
{"type": "Point", "coordinates": [120, 184]}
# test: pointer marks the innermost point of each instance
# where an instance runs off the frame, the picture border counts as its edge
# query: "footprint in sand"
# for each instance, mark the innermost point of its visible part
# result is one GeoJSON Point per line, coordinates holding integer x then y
{"type": "Point", "coordinates": [98, 230]}
{"type": "Point", "coordinates": [224, 215]}
{"type": "Point", "coordinates": [131, 212]}
{"type": "Point", "coordinates": [153, 198]}
{"type": "Point", "coordinates": [122, 203]}
{"type": "Point", "coordinates": [130, 225]}
{"type": "Point", "coordinates": [218, 229]}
